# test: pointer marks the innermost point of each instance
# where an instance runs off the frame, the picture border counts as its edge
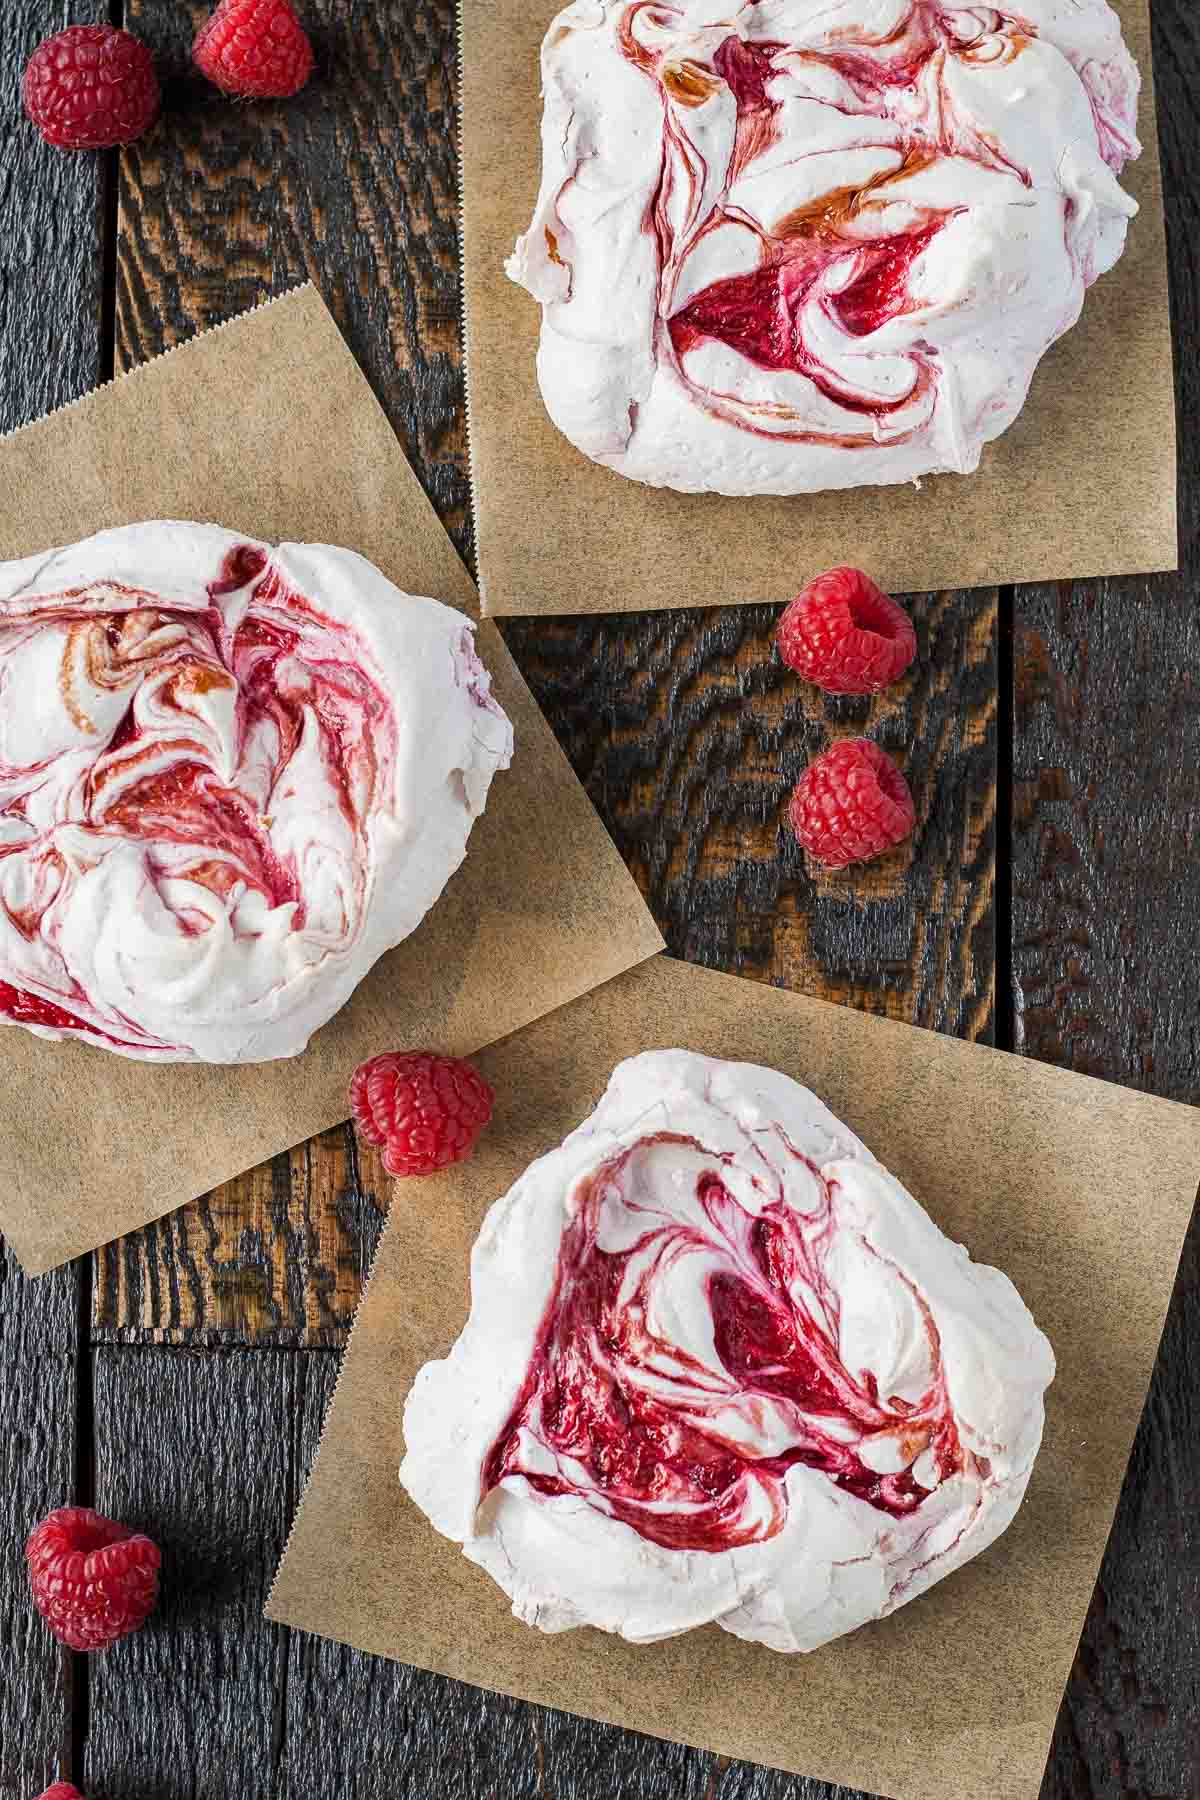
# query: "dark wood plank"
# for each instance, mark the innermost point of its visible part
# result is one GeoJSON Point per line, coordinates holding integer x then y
{"type": "Point", "coordinates": [277, 1256]}
{"type": "Point", "coordinates": [50, 352]}
{"type": "Point", "coordinates": [199, 1451]}
{"type": "Point", "coordinates": [689, 734]}
{"type": "Point", "coordinates": [1106, 805]}
{"type": "Point", "coordinates": [1106, 944]}
{"type": "Point", "coordinates": [50, 236]}
{"type": "Point", "coordinates": [39, 1344]}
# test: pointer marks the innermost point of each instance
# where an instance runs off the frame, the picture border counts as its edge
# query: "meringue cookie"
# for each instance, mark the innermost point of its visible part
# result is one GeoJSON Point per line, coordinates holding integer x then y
{"type": "Point", "coordinates": [231, 777]}
{"type": "Point", "coordinates": [805, 244]}
{"type": "Point", "coordinates": [720, 1366]}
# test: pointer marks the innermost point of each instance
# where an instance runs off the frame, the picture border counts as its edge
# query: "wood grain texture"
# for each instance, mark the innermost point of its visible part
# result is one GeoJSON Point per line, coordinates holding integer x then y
{"type": "Point", "coordinates": [50, 352]}
{"type": "Point", "coordinates": [39, 1346]}
{"type": "Point", "coordinates": [199, 1451]}
{"type": "Point", "coordinates": [277, 1256]}
{"type": "Point", "coordinates": [1105, 948]}
{"type": "Point", "coordinates": [689, 734]}
{"type": "Point", "coordinates": [51, 265]}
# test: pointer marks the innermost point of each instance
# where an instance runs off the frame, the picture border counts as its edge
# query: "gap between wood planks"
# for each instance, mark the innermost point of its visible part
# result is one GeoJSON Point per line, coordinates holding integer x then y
{"type": "Point", "coordinates": [1003, 999]}
{"type": "Point", "coordinates": [85, 1419]}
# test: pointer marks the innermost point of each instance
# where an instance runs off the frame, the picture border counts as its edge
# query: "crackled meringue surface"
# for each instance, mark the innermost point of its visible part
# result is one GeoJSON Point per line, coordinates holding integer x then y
{"type": "Point", "coordinates": [803, 244]}
{"type": "Point", "coordinates": [231, 777]}
{"type": "Point", "coordinates": [721, 1366]}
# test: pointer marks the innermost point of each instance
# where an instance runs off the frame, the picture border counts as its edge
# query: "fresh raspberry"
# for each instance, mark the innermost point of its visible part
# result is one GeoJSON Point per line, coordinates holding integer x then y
{"type": "Point", "coordinates": [62, 1790]}
{"type": "Point", "coordinates": [254, 47]}
{"type": "Point", "coordinates": [90, 87]}
{"type": "Point", "coordinates": [846, 635]}
{"type": "Point", "coordinates": [425, 1110]}
{"type": "Point", "coordinates": [850, 804]}
{"type": "Point", "coordinates": [93, 1580]}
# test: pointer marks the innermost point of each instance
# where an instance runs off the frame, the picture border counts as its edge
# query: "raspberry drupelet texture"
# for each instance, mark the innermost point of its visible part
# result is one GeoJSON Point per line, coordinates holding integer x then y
{"type": "Point", "coordinates": [62, 1790]}
{"type": "Point", "coordinates": [93, 1580]}
{"type": "Point", "coordinates": [850, 804]}
{"type": "Point", "coordinates": [257, 48]}
{"type": "Point", "coordinates": [90, 87]}
{"type": "Point", "coordinates": [424, 1111]}
{"type": "Point", "coordinates": [846, 635]}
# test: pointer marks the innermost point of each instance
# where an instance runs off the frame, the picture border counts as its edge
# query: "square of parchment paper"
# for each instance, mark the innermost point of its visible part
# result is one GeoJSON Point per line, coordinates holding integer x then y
{"type": "Point", "coordinates": [1083, 483]}
{"type": "Point", "coordinates": [267, 425]}
{"type": "Point", "coordinates": [1082, 1191]}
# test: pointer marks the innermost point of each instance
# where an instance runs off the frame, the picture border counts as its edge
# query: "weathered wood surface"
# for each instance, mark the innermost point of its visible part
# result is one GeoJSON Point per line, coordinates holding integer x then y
{"type": "Point", "coordinates": [51, 245]}
{"type": "Point", "coordinates": [689, 735]}
{"type": "Point", "coordinates": [353, 184]}
{"type": "Point", "coordinates": [51, 267]}
{"type": "Point", "coordinates": [1105, 949]}
{"type": "Point", "coordinates": [40, 1345]}
{"type": "Point", "coordinates": [276, 1257]}
{"type": "Point", "coordinates": [215, 1328]}
{"type": "Point", "coordinates": [199, 1449]}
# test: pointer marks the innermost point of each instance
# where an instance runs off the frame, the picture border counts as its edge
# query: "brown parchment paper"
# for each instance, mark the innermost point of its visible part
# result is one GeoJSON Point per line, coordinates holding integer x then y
{"type": "Point", "coordinates": [268, 426]}
{"type": "Point", "coordinates": [1080, 1190]}
{"type": "Point", "coordinates": [1083, 484]}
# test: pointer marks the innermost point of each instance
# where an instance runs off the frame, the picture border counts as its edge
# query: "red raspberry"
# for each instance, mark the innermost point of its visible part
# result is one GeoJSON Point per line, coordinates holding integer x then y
{"type": "Point", "coordinates": [93, 1580]}
{"type": "Point", "coordinates": [850, 804]}
{"type": "Point", "coordinates": [254, 47]}
{"type": "Point", "coordinates": [62, 1790]}
{"type": "Point", "coordinates": [425, 1110]}
{"type": "Point", "coordinates": [846, 635]}
{"type": "Point", "coordinates": [90, 87]}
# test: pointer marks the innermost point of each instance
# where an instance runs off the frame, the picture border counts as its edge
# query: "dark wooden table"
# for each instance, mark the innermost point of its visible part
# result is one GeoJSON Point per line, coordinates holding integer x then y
{"type": "Point", "coordinates": [1051, 905]}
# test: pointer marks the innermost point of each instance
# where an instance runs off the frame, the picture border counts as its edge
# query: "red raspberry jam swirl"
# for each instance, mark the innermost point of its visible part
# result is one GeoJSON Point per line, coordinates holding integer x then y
{"type": "Point", "coordinates": [189, 791]}
{"type": "Point", "coordinates": [23, 1008]}
{"type": "Point", "coordinates": [692, 1452]}
{"type": "Point", "coordinates": [832, 262]}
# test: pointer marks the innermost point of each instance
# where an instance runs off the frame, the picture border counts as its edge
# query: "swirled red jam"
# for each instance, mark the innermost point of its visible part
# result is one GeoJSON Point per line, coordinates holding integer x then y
{"type": "Point", "coordinates": [688, 1436]}
{"type": "Point", "coordinates": [223, 773]}
{"type": "Point", "coordinates": [721, 1366]}
{"type": "Point", "coordinates": [787, 248]}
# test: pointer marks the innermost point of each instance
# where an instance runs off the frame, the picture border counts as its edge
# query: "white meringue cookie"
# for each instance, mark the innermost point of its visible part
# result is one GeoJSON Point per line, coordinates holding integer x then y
{"type": "Point", "coordinates": [231, 777]}
{"type": "Point", "coordinates": [804, 244]}
{"type": "Point", "coordinates": [720, 1366]}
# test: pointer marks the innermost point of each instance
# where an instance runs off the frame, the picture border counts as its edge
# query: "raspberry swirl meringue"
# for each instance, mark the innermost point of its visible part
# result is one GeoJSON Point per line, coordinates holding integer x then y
{"type": "Point", "coordinates": [231, 777]}
{"type": "Point", "coordinates": [804, 244]}
{"type": "Point", "coordinates": [721, 1366]}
